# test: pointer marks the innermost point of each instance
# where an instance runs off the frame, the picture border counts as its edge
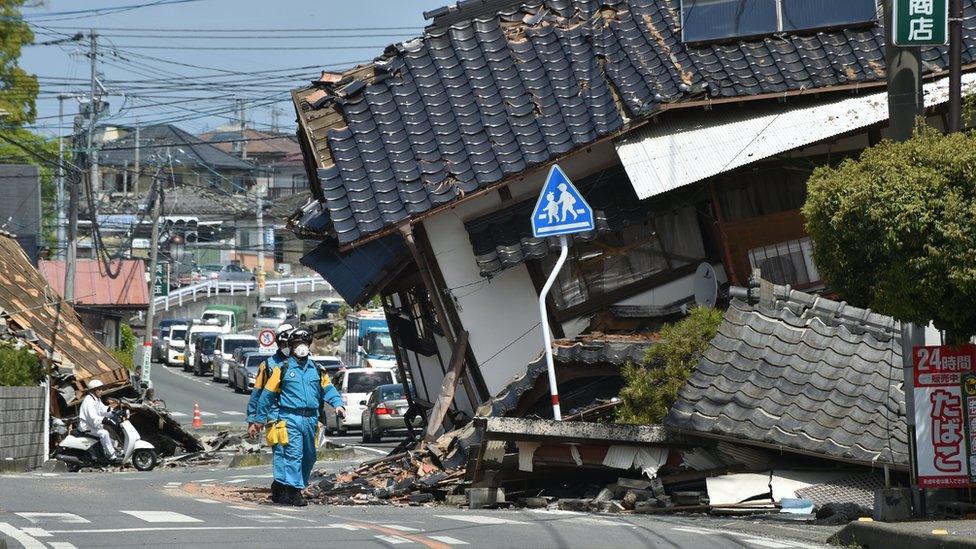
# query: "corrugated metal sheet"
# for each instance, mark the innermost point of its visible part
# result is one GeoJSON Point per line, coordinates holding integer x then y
{"type": "Point", "coordinates": [94, 287]}
{"type": "Point", "coordinates": [30, 303]}
{"type": "Point", "coordinates": [665, 156]}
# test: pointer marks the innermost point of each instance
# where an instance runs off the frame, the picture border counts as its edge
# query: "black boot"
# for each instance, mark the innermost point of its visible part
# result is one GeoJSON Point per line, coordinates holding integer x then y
{"type": "Point", "coordinates": [285, 495]}
{"type": "Point", "coordinates": [276, 489]}
{"type": "Point", "coordinates": [297, 499]}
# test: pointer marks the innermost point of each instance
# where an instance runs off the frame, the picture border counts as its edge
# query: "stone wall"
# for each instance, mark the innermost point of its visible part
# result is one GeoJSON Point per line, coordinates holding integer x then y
{"type": "Point", "coordinates": [21, 426]}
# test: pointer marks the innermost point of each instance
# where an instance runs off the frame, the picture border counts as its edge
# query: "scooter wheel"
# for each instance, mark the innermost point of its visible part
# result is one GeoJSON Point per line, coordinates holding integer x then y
{"type": "Point", "coordinates": [144, 459]}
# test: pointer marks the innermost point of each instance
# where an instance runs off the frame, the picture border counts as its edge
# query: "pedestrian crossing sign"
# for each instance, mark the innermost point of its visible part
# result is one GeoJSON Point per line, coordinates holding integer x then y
{"type": "Point", "coordinates": [561, 209]}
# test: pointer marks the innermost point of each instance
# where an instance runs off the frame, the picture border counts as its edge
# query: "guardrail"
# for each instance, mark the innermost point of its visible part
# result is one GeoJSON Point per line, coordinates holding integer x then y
{"type": "Point", "coordinates": [274, 286]}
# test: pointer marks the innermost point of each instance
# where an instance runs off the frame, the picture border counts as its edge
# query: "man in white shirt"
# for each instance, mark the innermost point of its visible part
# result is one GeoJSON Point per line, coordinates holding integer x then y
{"type": "Point", "coordinates": [90, 416]}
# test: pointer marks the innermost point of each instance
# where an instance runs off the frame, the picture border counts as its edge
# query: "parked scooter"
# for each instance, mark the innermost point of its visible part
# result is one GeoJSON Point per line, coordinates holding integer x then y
{"type": "Point", "coordinates": [81, 449]}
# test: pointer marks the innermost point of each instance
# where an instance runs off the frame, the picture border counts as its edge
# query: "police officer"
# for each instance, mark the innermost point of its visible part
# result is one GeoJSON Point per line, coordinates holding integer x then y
{"type": "Point", "coordinates": [294, 394]}
{"type": "Point", "coordinates": [264, 372]}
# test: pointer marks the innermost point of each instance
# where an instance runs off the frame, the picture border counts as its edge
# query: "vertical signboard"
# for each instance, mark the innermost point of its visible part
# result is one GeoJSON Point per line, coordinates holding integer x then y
{"type": "Point", "coordinates": [160, 280]}
{"type": "Point", "coordinates": [939, 433]}
{"type": "Point", "coordinates": [920, 22]}
{"type": "Point", "coordinates": [968, 387]}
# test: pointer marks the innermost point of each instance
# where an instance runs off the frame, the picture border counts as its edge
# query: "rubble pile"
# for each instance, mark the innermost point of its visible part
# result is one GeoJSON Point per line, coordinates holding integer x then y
{"type": "Point", "coordinates": [212, 450]}
{"type": "Point", "coordinates": [415, 477]}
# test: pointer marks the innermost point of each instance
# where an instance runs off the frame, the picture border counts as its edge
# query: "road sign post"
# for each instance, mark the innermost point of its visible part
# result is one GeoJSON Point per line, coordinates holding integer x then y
{"type": "Point", "coordinates": [560, 211]}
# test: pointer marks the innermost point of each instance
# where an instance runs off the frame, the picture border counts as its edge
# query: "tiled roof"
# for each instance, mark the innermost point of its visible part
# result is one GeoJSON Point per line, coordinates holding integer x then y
{"type": "Point", "coordinates": [186, 149]}
{"type": "Point", "coordinates": [94, 287]}
{"type": "Point", "coordinates": [796, 371]}
{"type": "Point", "coordinates": [470, 104]}
{"type": "Point", "coordinates": [616, 351]}
{"type": "Point", "coordinates": [29, 303]}
{"type": "Point", "coordinates": [258, 142]}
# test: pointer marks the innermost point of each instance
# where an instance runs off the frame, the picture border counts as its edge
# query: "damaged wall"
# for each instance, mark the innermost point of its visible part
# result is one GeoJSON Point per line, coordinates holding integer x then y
{"type": "Point", "coordinates": [22, 424]}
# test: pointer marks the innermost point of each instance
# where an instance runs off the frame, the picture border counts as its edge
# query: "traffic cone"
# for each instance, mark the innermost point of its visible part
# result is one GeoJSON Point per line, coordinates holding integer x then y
{"type": "Point", "coordinates": [197, 421]}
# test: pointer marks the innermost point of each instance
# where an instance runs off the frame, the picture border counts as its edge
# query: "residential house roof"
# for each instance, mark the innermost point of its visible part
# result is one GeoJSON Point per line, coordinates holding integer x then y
{"type": "Point", "coordinates": [166, 139]}
{"type": "Point", "coordinates": [795, 371]}
{"type": "Point", "coordinates": [259, 143]}
{"type": "Point", "coordinates": [94, 287]}
{"type": "Point", "coordinates": [28, 302]}
{"type": "Point", "coordinates": [481, 97]}
{"type": "Point", "coordinates": [187, 200]}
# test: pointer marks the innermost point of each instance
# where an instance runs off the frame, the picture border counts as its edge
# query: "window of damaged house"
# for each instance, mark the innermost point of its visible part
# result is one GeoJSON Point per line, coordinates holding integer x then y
{"type": "Point", "coordinates": [762, 223]}
{"type": "Point", "coordinates": [628, 257]}
{"type": "Point", "coordinates": [724, 20]}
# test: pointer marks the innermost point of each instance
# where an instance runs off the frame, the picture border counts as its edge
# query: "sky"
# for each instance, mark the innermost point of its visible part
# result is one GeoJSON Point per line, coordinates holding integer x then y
{"type": "Point", "coordinates": [187, 61]}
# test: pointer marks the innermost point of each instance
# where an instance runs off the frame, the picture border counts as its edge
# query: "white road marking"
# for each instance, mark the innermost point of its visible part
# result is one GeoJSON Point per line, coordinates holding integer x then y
{"type": "Point", "coordinates": [61, 545]}
{"type": "Point", "coordinates": [207, 480]}
{"type": "Point", "coordinates": [400, 528]}
{"type": "Point", "coordinates": [374, 450]}
{"type": "Point", "coordinates": [161, 516]}
{"type": "Point", "coordinates": [766, 543]}
{"type": "Point", "coordinates": [36, 532]}
{"type": "Point", "coordinates": [205, 500]}
{"type": "Point", "coordinates": [172, 484]}
{"type": "Point", "coordinates": [177, 414]}
{"type": "Point", "coordinates": [448, 540]}
{"type": "Point", "coordinates": [64, 518]}
{"type": "Point", "coordinates": [694, 530]}
{"type": "Point", "coordinates": [202, 529]}
{"type": "Point", "coordinates": [231, 413]}
{"type": "Point", "coordinates": [394, 540]}
{"type": "Point", "coordinates": [261, 518]}
{"type": "Point", "coordinates": [207, 414]}
{"type": "Point", "coordinates": [20, 537]}
{"type": "Point", "coordinates": [219, 423]}
{"type": "Point", "coordinates": [237, 480]}
{"type": "Point", "coordinates": [242, 507]}
{"type": "Point", "coordinates": [481, 519]}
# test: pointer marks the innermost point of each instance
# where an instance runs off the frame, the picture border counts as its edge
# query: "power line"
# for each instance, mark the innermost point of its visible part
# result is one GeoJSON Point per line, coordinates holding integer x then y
{"type": "Point", "coordinates": [81, 14]}
{"type": "Point", "coordinates": [244, 29]}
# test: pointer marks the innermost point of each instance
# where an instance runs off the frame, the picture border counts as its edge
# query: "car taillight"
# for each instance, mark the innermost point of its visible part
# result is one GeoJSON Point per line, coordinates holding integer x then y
{"type": "Point", "coordinates": [382, 411]}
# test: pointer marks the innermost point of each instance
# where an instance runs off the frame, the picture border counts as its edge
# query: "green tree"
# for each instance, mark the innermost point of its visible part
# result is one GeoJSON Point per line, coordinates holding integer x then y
{"type": "Point", "coordinates": [652, 387]}
{"type": "Point", "coordinates": [895, 229]}
{"type": "Point", "coordinates": [125, 352]}
{"type": "Point", "coordinates": [18, 88]}
{"type": "Point", "coordinates": [19, 367]}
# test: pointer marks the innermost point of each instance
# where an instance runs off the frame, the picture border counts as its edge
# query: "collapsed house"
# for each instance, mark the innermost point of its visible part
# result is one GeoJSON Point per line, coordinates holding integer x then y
{"type": "Point", "coordinates": [32, 314]}
{"type": "Point", "coordinates": [692, 141]}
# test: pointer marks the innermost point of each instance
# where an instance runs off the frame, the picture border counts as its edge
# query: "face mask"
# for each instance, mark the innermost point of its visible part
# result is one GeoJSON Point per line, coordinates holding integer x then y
{"type": "Point", "coordinates": [285, 350]}
{"type": "Point", "coordinates": [301, 350]}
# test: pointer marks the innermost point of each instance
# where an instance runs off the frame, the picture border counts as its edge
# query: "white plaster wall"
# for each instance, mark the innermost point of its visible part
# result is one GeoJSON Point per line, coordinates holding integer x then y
{"type": "Point", "coordinates": [672, 291]}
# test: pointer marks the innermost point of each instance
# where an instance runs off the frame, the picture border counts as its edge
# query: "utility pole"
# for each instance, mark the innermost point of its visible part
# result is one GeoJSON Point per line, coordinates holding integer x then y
{"type": "Point", "coordinates": [138, 167]}
{"type": "Point", "coordinates": [62, 236]}
{"type": "Point", "coordinates": [157, 212]}
{"type": "Point", "coordinates": [904, 72]}
{"type": "Point", "coordinates": [955, 66]}
{"type": "Point", "coordinates": [260, 214]}
{"type": "Point", "coordinates": [240, 103]}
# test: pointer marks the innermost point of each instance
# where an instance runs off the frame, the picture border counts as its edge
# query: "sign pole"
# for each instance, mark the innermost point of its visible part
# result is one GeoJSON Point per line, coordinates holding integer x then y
{"type": "Point", "coordinates": [546, 334]}
{"type": "Point", "coordinates": [560, 210]}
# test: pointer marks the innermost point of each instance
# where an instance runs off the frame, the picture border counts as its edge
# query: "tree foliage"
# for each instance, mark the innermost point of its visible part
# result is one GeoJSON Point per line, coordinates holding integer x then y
{"type": "Point", "coordinates": [19, 367]}
{"type": "Point", "coordinates": [895, 229]}
{"type": "Point", "coordinates": [652, 387]}
{"type": "Point", "coordinates": [125, 352]}
{"type": "Point", "coordinates": [18, 88]}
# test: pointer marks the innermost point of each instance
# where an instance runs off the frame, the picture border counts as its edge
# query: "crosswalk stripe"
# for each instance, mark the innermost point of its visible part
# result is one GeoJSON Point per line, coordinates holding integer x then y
{"type": "Point", "coordinates": [236, 481]}
{"type": "Point", "coordinates": [61, 545]}
{"type": "Point", "coordinates": [394, 540]}
{"type": "Point", "coordinates": [205, 500]}
{"type": "Point", "coordinates": [766, 543]}
{"type": "Point", "coordinates": [177, 414]}
{"type": "Point", "coordinates": [232, 413]}
{"type": "Point", "coordinates": [161, 516]}
{"type": "Point", "coordinates": [481, 519]}
{"type": "Point", "coordinates": [448, 540]}
{"type": "Point", "coordinates": [65, 518]}
{"type": "Point", "coordinates": [207, 414]}
{"type": "Point", "coordinates": [20, 537]}
{"type": "Point", "coordinates": [399, 527]}
{"type": "Point", "coordinates": [243, 507]}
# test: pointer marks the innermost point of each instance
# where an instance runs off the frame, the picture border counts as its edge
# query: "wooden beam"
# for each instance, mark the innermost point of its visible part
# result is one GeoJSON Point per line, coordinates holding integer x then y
{"type": "Point", "coordinates": [448, 387]}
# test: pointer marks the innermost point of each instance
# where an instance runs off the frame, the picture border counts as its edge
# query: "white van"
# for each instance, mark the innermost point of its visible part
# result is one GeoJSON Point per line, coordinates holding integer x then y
{"type": "Point", "coordinates": [355, 385]}
{"type": "Point", "coordinates": [175, 344]}
{"type": "Point", "coordinates": [224, 352]}
{"type": "Point", "coordinates": [211, 326]}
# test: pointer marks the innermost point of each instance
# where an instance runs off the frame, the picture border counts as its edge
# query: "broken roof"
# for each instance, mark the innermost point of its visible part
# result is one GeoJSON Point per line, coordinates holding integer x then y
{"type": "Point", "coordinates": [95, 288]}
{"type": "Point", "coordinates": [30, 303]}
{"type": "Point", "coordinates": [484, 96]}
{"type": "Point", "coordinates": [795, 371]}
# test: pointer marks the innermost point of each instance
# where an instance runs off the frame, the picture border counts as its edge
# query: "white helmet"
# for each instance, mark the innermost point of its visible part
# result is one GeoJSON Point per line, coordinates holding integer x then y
{"type": "Point", "coordinates": [282, 331]}
{"type": "Point", "coordinates": [94, 384]}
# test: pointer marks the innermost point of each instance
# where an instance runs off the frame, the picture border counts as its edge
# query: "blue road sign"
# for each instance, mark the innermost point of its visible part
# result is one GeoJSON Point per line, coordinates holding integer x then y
{"type": "Point", "coordinates": [561, 208]}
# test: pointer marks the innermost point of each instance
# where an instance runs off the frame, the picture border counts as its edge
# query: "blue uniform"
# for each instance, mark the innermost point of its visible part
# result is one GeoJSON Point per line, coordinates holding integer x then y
{"type": "Point", "coordinates": [296, 399]}
{"type": "Point", "coordinates": [259, 382]}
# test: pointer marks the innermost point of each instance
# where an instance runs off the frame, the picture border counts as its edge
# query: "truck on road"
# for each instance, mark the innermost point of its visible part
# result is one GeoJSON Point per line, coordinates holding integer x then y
{"type": "Point", "coordinates": [367, 341]}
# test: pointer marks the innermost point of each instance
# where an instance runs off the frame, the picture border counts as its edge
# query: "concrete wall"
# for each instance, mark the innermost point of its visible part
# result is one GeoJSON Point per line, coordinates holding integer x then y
{"type": "Point", "coordinates": [22, 424]}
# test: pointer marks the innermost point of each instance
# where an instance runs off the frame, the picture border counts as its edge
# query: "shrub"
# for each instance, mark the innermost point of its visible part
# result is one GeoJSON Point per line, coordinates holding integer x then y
{"type": "Point", "coordinates": [125, 352]}
{"type": "Point", "coordinates": [652, 387]}
{"type": "Point", "coordinates": [19, 367]}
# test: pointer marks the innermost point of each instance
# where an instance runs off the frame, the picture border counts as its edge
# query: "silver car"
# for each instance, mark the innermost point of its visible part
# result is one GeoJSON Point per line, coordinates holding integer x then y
{"type": "Point", "coordinates": [233, 273]}
{"type": "Point", "coordinates": [244, 371]}
{"type": "Point", "coordinates": [384, 412]}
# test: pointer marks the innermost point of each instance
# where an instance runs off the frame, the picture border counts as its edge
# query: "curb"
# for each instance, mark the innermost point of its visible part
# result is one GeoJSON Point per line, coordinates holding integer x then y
{"type": "Point", "coordinates": [880, 535]}
{"type": "Point", "coordinates": [264, 458]}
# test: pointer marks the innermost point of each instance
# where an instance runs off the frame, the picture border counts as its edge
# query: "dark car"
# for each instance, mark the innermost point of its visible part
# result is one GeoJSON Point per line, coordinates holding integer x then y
{"type": "Point", "coordinates": [203, 356]}
{"type": "Point", "coordinates": [159, 336]}
{"type": "Point", "coordinates": [384, 411]}
{"type": "Point", "coordinates": [243, 371]}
